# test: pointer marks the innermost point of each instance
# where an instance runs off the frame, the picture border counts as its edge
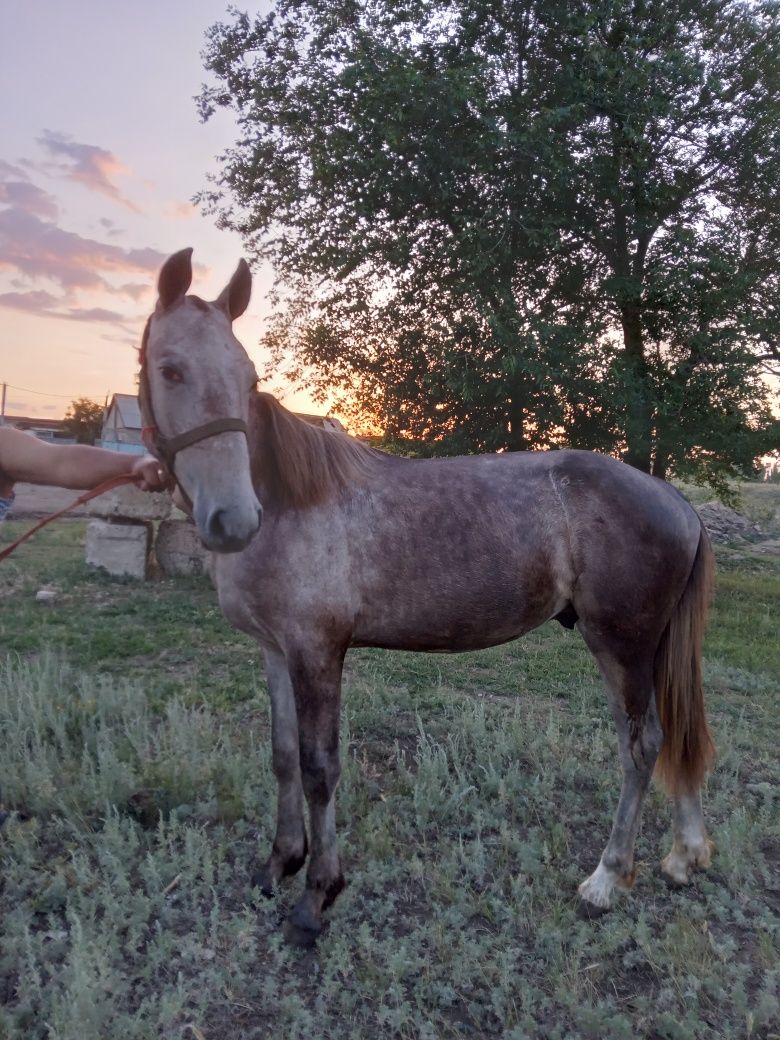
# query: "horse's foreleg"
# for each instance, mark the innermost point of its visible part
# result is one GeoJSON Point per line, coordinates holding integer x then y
{"type": "Point", "coordinates": [639, 741]}
{"type": "Point", "coordinates": [317, 687]}
{"type": "Point", "coordinates": [290, 846]}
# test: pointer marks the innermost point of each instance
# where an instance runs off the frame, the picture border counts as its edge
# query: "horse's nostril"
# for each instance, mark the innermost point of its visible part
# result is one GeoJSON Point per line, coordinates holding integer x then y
{"type": "Point", "coordinates": [216, 525]}
{"type": "Point", "coordinates": [229, 528]}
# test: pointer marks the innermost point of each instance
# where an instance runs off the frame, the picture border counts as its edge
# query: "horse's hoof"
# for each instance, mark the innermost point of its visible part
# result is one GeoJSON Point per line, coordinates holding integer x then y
{"type": "Point", "coordinates": [302, 928]}
{"type": "Point", "coordinates": [301, 938]}
{"type": "Point", "coordinates": [587, 911]}
{"type": "Point", "coordinates": [676, 880]}
{"type": "Point", "coordinates": [596, 891]}
{"type": "Point", "coordinates": [683, 859]}
{"type": "Point", "coordinates": [263, 879]}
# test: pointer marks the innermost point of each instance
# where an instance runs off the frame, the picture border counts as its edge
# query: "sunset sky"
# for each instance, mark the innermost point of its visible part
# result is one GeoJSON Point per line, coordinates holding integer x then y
{"type": "Point", "coordinates": [100, 155]}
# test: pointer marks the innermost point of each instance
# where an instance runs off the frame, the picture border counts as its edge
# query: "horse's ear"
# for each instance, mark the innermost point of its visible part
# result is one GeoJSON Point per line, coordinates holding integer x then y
{"type": "Point", "coordinates": [234, 298]}
{"type": "Point", "coordinates": [175, 278]}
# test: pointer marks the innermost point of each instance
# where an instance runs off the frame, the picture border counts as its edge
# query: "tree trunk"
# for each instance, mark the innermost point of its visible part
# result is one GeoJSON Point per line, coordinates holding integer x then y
{"type": "Point", "coordinates": [516, 440]}
{"type": "Point", "coordinates": [639, 440]}
{"type": "Point", "coordinates": [661, 459]}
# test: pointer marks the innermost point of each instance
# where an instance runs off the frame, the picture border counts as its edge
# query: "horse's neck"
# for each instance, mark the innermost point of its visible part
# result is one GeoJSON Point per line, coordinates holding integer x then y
{"type": "Point", "coordinates": [296, 465]}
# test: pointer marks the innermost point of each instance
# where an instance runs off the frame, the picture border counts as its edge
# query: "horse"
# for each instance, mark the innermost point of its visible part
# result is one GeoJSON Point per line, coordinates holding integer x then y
{"type": "Point", "coordinates": [321, 544]}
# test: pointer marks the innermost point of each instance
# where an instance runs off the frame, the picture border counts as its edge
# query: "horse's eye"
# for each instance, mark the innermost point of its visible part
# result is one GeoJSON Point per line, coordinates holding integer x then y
{"type": "Point", "coordinates": [170, 374]}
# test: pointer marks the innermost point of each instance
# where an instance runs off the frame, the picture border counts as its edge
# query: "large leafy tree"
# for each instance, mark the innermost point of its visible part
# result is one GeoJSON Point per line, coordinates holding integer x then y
{"type": "Point", "coordinates": [516, 223]}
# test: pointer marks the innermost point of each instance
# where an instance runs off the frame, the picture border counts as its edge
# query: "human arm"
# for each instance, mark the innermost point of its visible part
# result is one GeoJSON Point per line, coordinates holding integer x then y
{"type": "Point", "coordinates": [77, 466]}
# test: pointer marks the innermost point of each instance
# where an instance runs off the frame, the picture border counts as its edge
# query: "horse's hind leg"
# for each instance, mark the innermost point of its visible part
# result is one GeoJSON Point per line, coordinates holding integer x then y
{"type": "Point", "coordinates": [639, 741]}
{"type": "Point", "coordinates": [288, 853]}
{"type": "Point", "coordinates": [691, 846]}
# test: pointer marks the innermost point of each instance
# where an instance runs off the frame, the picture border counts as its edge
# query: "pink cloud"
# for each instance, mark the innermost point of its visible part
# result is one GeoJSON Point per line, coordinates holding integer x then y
{"type": "Point", "coordinates": [8, 170]}
{"type": "Point", "coordinates": [134, 290]}
{"type": "Point", "coordinates": [46, 305]}
{"type": "Point", "coordinates": [26, 196]}
{"type": "Point", "coordinates": [112, 230]}
{"type": "Point", "coordinates": [181, 211]}
{"type": "Point", "coordinates": [35, 302]}
{"type": "Point", "coordinates": [17, 190]}
{"type": "Point", "coordinates": [98, 314]}
{"type": "Point", "coordinates": [39, 249]}
{"type": "Point", "coordinates": [34, 248]}
{"type": "Point", "coordinates": [87, 164]}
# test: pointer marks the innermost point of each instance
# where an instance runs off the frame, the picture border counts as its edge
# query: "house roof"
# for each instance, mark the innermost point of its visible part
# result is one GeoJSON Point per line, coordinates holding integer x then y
{"type": "Point", "coordinates": [129, 412]}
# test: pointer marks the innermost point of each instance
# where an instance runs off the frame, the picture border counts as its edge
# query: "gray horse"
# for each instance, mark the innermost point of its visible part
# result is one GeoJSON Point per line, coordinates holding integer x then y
{"type": "Point", "coordinates": [360, 548]}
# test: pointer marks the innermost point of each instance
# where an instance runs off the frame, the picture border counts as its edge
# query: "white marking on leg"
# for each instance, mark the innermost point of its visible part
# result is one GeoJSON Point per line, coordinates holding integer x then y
{"type": "Point", "coordinates": [597, 889]}
{"type": "Point", "coordinates": [637, 759]}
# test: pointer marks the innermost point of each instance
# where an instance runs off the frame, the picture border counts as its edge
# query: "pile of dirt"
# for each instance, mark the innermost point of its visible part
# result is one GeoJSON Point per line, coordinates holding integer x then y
{"type": "Point", "coordinates": [727, 525]}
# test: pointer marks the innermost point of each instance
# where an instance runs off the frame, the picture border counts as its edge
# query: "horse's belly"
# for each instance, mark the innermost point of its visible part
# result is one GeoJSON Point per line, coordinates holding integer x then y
{"type": "Point", "coordinates": [441, 642]}
{"type": "Point", "coordinates": [446, 622]}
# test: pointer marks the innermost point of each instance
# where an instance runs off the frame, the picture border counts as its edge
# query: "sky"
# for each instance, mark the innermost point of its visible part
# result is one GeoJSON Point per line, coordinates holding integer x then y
{"type": "Point", "coordinates": [101, 152]}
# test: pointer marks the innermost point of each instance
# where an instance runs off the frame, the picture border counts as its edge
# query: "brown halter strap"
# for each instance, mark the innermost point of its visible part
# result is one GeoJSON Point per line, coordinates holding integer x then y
{"type": "Point", "coordinates": [166, 448]}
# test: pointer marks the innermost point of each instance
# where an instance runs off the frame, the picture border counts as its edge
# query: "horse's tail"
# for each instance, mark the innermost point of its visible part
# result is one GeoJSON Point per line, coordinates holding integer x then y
{"type": "Point", "coordinates": [688, 752]}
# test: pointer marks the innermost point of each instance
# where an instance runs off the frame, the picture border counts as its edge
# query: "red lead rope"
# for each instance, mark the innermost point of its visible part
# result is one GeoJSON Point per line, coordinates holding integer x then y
{"type": "Point", "coordinates": [107, 485]}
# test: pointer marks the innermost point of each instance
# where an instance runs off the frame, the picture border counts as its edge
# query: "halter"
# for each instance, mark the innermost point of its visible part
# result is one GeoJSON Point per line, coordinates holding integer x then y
{"type": "Point", "coordinates": [167, 448]}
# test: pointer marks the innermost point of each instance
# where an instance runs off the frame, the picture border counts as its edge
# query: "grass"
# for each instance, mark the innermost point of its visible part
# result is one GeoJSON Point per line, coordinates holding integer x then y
{"type": "Point", "coordinates": [477, 792]}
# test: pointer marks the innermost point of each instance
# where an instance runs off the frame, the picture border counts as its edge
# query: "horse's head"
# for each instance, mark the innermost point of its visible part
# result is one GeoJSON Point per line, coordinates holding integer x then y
{"type": "Point", "coordinates": [196, 382]}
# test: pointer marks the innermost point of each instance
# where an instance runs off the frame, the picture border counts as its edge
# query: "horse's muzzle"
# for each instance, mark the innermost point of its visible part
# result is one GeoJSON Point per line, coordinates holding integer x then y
{"type": "Point", "coordinates": [229, 529]}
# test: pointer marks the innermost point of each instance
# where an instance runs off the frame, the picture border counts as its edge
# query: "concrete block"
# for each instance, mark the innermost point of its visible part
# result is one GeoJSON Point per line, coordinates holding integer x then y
{"type": "Point", "coordinates": [120, 549]}
{"type": "Point", "coordinates": [129, 503]}
{"type": "Point", "coordinates": [179, 550]}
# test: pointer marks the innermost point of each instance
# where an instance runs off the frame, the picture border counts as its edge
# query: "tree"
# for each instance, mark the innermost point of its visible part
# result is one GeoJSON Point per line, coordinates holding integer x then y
{"type": "Point", "coordinates": [84, 420]}
{"type": "Point", "coordinates": [515, 223]}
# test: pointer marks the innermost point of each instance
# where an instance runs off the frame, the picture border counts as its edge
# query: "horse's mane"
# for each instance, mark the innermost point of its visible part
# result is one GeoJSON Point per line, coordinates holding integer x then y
{"type": "Point", "coordinates": [300, 464]}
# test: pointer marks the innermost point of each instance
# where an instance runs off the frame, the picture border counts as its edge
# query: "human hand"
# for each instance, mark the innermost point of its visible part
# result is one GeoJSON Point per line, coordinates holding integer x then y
{"type": "Point", "coordinates": [150, 474]}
